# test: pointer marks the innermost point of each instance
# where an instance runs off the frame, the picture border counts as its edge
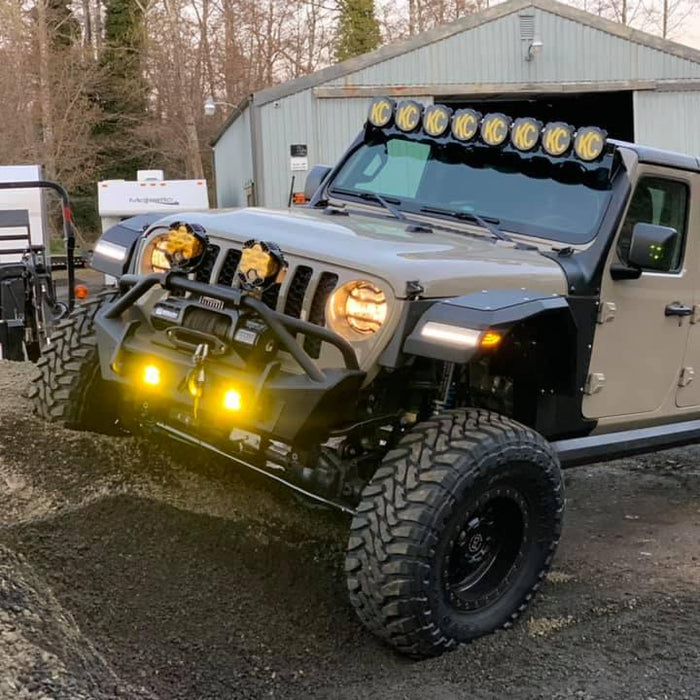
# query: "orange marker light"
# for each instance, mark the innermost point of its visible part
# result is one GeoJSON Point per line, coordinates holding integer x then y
{"type": "Point", "coordinates": [81, 291]}
{"type": "Point", "coordinates": [490, 339]}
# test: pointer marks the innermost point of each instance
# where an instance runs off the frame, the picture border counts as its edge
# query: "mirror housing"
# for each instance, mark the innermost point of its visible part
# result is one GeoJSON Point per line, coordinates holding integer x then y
{"type": "Point", "coordinates": [314, 180]}
{"type": "Point", "coordinates": [652, 247]}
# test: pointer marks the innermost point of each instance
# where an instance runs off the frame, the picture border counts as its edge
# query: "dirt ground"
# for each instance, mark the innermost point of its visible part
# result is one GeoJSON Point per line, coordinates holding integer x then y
{"type": "Point", "coordinates": [135, 570]}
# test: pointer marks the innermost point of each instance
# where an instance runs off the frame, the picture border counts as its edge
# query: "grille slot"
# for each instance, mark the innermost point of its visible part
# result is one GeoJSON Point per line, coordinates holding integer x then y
{"type": "Point", "coordinates": [317, 312]}
{"type": "Point", "coordinates": [228, 269]}
{"type": "Point", "coordinates": [271, 295]}
{"type": "Point", "coordinates": [204, 271]}
{"type": "Point", "coordinates": [297, 290]}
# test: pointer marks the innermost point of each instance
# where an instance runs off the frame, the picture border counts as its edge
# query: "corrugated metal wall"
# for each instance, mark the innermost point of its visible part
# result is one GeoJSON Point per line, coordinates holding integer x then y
{"type": "Point", "coordinates": [233, 163]}
{"type": "Point", "coordinates": [494, 52]}
{"type": "Point", "coordinates": [668, 120]}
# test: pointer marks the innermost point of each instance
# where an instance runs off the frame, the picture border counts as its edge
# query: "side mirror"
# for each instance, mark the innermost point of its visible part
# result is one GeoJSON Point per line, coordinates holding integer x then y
{"type": "Point", "coordinates": [315, 179]}
{"type": "Point", "coordinates": [652, 247]}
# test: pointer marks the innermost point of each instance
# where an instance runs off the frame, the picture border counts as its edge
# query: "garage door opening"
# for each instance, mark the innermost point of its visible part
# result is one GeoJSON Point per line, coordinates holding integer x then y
{"type": "Point", "coordinates": [613, 111]}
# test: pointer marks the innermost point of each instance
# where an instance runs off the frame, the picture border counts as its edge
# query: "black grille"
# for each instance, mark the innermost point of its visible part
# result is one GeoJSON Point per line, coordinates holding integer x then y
{"type": "Point", "coordinates": [228, 269]}
{"type": "Point", "coordinates": [317, 312]}
{"type": "Point", "coordinates": [270, 296]}
{"type": "Point", "coordinates": [297, 290]}
{"type": "Point", "coordinates": [203, 273]}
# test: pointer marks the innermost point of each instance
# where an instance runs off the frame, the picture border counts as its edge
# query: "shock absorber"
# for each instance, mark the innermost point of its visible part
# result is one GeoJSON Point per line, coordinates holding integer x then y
{"type": "Point", "coordinates": [446, 393]}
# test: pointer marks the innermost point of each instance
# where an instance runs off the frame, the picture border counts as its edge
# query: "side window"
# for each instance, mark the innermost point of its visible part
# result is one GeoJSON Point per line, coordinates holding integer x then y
{"type": "Point", "coordinates": [659, 201]}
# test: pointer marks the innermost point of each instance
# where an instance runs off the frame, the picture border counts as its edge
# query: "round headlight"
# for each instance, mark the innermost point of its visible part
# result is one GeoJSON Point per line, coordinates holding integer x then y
{"type": "Point", "coordinates": [182, 247]}
{"type": "Point", "coordinates": [357, 309]}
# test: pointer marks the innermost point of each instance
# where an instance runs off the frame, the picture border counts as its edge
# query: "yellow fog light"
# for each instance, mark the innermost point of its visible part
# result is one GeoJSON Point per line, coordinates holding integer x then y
{"type": "Point", "coordinates": [151, 375]}
{"type": "Point", "coordinates": [233, 400]}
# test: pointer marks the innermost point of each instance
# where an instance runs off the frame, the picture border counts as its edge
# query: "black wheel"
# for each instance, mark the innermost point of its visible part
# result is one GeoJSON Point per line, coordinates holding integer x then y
{"type": "Point", "coordinates": [455, 532]}
{"type": "Point", "coordinates": [68, 387]}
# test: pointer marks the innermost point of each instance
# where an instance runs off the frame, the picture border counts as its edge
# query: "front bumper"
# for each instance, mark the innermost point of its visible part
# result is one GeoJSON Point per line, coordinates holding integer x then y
{"type": "Point", "coordinates": [295, 408]}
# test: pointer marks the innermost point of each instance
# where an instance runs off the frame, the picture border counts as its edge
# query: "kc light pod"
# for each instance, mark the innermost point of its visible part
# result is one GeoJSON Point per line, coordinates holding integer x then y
{"type": "Point", "coordinates": [495, 128]}
{"type": "Point", "coordinates": [381, 110]}
{"type": "Point", "coordinates": [589, 143]}
{"type": "Point", "coordinates": [465, 124]}
{"type": "Point", "coordinates": [408, 114]}
{"type": "Point", "coordinates": [557, 138]}
{"type": "Point", "coordinates": [436, 120]}
{"type": "Point", "coordinates": [525, 133]}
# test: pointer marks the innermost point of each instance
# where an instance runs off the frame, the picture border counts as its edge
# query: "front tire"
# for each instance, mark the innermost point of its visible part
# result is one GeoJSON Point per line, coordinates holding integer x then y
{"type": "Point", "coordinates": [455, 532]}
{"type": "Point", "coordinates": [68, 387]}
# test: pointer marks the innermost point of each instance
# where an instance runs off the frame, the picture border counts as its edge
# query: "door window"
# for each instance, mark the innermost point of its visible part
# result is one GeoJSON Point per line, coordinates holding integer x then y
{"type": "Point", "coordinates": [658, 201]}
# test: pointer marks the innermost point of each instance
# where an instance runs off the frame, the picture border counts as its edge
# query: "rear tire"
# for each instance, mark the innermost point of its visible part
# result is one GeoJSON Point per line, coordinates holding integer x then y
{"type": "Point", "coordinates": [455, 532]}
{"type": "Point", "coordinates": [68, 387]}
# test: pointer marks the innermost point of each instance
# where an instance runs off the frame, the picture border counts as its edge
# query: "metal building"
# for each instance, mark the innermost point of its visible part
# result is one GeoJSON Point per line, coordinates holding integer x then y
{"type": "Point", "coordinates": [523, 57]}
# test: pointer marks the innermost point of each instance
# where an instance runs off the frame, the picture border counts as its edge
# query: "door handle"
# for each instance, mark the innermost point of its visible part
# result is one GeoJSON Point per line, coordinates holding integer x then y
{"type": "Point", "coordinates": [675, 308]}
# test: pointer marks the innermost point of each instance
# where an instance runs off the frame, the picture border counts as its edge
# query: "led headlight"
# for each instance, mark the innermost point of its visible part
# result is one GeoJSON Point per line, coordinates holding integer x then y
{"type": "Point", "coordinates": [182, 247]}
{"type": "Point", "coordinates": [357, 309]}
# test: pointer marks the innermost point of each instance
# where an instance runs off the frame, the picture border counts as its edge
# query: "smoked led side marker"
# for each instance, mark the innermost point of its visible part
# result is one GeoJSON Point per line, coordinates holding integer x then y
{"type": "Point", "coordinates": [494, 129]}
{"type": "Point", "coordinates": [381, 110]}
{"type": "Point", "coordinates": [436, 119]}
{"type": "Point", "coordinates": [408, 114]}
{"type": "Point", "coordinates": [589, 143]}
{"type": "Point", "coordinates": [557, 138]}
{"type": "Point", "coordinates": [465, 124]}
{"type": "Point", "coordinates": [525, 133]}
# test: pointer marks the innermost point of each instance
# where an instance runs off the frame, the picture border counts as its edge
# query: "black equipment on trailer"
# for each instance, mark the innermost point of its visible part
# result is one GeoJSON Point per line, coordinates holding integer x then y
{"type": "Point", "coordinates": [29, 306]}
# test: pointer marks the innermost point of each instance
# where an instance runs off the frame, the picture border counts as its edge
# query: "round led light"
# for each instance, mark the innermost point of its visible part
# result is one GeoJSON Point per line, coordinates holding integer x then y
{"type": "Point", "coordinates": [557, 138]}
{"type": "Point", "coordinates": [357, 309]}
{"type": "Point", "coordinates": [436, 119]}
{"type": "Point", "coordinates": [408, 115]}
{"type": "Point", "coordinates": [525, 133]}
{"type": "Point", "coordinates": [465, 124]}
{"type": "Point", "coordinates": [494, 129]}
{"type": "Point", "coordinates": [381, 111]}
{"type": "Point", "coordinates": [181, 248]}
{"type": "Point", "coordinates": [589, 143]}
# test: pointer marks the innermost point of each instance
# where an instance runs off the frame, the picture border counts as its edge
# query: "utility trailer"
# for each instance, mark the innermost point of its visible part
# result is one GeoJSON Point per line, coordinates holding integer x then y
{"type": "Point", "coordinates": [29, 304]}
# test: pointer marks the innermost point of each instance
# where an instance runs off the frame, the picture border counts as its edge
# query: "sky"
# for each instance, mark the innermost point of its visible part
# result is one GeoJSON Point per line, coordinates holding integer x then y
{"type": "Point", "coordinates": [691, 31]}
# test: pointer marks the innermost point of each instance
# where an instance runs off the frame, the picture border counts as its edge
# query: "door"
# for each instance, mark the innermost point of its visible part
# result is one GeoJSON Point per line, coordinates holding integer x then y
{"type": "Point", "coordinates": [638, 349]}
{"type": "Point", "coordinates": [689, 381]}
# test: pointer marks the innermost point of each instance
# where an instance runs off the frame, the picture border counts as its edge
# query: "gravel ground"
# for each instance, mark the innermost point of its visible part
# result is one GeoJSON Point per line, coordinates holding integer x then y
{"type": "Point", "coordinates": [129, 570]}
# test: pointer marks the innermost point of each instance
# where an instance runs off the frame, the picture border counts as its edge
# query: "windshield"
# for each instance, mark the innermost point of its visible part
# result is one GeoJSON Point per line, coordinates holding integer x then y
{"type": "Point", "coordinates": [529, 194]}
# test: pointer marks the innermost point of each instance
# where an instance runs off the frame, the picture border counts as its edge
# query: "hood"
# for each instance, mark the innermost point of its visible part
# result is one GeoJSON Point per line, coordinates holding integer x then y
{"type": "Point", "coordinates": [446, 264]}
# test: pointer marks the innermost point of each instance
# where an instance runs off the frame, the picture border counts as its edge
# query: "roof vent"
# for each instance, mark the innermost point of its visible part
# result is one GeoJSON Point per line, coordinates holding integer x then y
{"type": "Point", "coordinates": [527, 26]}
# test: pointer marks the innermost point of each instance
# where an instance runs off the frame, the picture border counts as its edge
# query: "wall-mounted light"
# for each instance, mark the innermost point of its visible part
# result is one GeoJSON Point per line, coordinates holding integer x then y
{"type": "Point", "coordinates": [534, 48]}
{"type": "Point", "coordinates": [210, 105]}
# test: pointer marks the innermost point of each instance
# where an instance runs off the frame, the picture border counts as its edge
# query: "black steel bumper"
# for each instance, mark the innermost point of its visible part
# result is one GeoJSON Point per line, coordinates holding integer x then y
{"type": "Point", "coordinates": [299, 407]}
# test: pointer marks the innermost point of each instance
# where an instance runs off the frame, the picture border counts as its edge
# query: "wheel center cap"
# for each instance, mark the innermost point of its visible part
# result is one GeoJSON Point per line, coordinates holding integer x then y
{"type": "Point", "coordinates": [476, 542]}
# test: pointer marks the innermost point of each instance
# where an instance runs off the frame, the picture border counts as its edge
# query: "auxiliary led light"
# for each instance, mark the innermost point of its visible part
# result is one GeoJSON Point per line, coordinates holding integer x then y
{"type": "Point", "coordinates": [465, 124]}
{"type": "Point", "coordinates": [589, 143]}
{"type": "Point", "coordinates": [408, 115]}
{"type": "Point", "coordinates": [525, 133]}
{"type": "Point", "coordinates": [436, 119]}
{"type": "Point", "coordinates": [557, 138]}
{"type": "Point", "coordinates": [151, 375]}
{"type": "Point", "coordinates": [381, 111]}
{"type": "Point", "coordinates": [494, 129]}
{"type": "Point", "coordinates": [233, 401]}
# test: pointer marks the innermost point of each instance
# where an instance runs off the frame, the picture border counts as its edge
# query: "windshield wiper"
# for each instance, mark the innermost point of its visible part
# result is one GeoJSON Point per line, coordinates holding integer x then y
{"type": "Point", "coordinates": [490, 224]}
{"type": "Point", "coordinates": [390, 206]}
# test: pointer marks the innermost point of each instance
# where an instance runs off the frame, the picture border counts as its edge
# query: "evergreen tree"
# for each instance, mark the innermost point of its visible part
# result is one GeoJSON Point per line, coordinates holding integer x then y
{"type": "Point", "coordinates": [358, 29]}
{"type": "Point", "coordinates": [123, 95]}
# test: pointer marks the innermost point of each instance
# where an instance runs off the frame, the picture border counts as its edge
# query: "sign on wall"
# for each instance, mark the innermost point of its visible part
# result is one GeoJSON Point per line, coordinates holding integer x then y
{"type": "Point", "coordinates": [298, 157]}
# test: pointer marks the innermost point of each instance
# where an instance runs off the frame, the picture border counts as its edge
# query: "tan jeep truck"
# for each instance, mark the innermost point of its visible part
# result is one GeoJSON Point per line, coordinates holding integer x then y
{"type": "Point", "coordinates": [467, 304]}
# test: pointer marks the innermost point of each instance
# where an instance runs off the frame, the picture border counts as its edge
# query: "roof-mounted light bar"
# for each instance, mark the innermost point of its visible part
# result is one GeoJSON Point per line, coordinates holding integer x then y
{"type": "Point", "coordinates": [525, 134]}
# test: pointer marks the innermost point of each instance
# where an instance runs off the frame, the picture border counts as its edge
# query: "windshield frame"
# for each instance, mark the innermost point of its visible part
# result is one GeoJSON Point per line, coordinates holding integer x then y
{"type": "Point", "coordinates": [605, 171]}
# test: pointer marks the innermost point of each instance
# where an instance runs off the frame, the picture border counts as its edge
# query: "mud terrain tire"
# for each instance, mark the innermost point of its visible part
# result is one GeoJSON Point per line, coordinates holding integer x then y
{"type": "Point", "coordinates": [455, 532]}
{"type": "Point", "coordinates": [68, 387]}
